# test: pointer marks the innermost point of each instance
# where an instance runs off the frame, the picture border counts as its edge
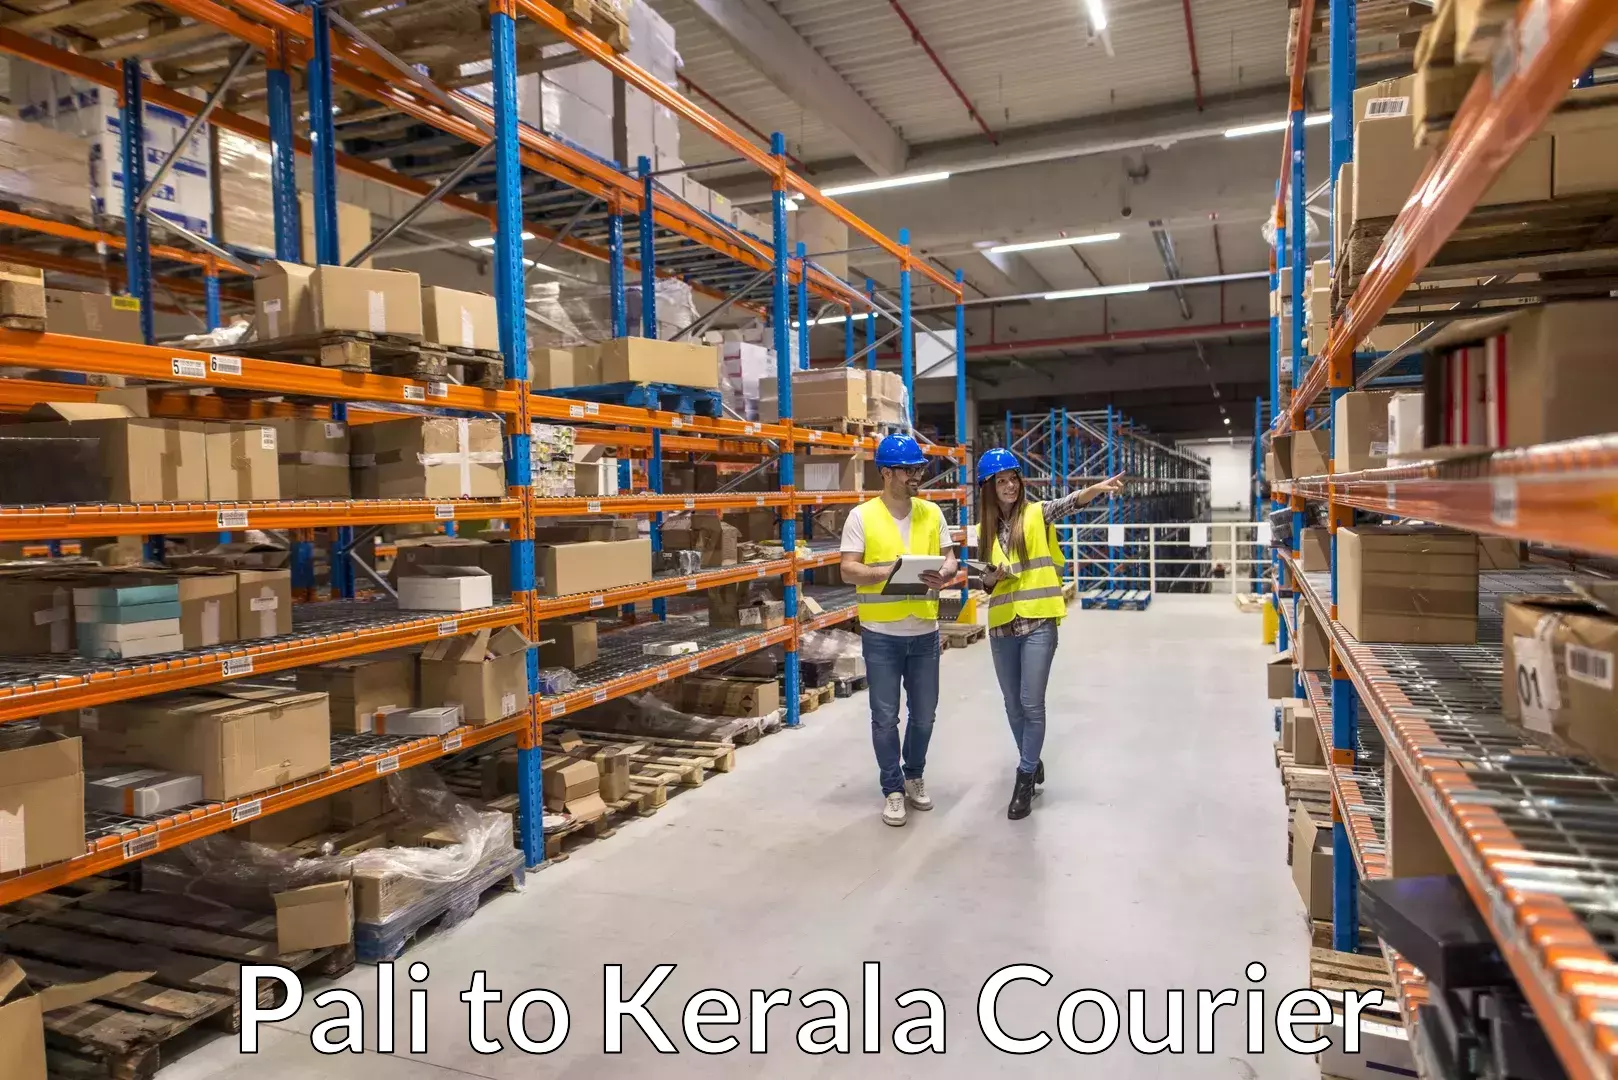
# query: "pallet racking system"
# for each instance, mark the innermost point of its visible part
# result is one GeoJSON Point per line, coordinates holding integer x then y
{"type": "Point", "coordinates": [1523, 827]}
{"type": "Point", "coordinates": [542, 188]}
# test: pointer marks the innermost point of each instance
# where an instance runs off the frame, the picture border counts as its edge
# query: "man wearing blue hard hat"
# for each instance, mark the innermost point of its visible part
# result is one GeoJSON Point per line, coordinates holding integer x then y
{"type": "Point", "coordinates": [899, 631]}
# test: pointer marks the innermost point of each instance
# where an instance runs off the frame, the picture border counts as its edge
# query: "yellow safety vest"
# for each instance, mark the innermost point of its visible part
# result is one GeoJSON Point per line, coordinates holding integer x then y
{"type": "Point", "coordinates": [882, 545]}
{"type": "Point", "coordinates": [1035, 589]}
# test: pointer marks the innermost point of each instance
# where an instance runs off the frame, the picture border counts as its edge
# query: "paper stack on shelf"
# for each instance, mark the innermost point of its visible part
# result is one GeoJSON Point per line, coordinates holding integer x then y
{"type": "Point", "coordinates": [551, 460]}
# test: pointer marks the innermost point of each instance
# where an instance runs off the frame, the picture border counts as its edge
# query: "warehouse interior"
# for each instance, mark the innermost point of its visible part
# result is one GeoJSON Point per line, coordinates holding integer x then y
{"type": "Point", "coordinates": [525, 529]}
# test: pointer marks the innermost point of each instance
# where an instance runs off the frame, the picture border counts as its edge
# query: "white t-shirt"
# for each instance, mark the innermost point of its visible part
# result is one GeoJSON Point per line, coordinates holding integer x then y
{"type": "Point", "coordinates": [854, 543]}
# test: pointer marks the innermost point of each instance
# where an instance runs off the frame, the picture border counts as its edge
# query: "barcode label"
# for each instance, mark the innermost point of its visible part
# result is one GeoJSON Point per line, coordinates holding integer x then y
{"type": "Point", "coordinates": [415, 393]}
{"type": "Point", "coordinates": [690, 504]}
{"type": "Point", "coordinates": [690, 584]}
{"type": "Point", "coordinates": [599, 696]}
{"type": "Point", "coordinates": [141, 845]}
{"type": "Point", "coordinates": [820, 500]}
{"type": "Point", "coordinates": [237, 665]}
{"type": "Point", "coordinates": [1377, 108]}
{"type": "Point", "coordinates": [741, 650]}
{"type": "Point", "coordinates": [444, 512]}
{"type": "Point", "coordinates": [233, 519]}
{"type": "Point", "coordinates": [692, 665]}
{"type": "Point", "coordinates": [1503, 64]}
{"type": "Point", "coordinates": [598, 601]}
{"type": "Point", "coordinates": [246, 811]}
{"type": "Point", "coordinates": [677, 423]}
{"type": "Point", "coordinates": [448, 627]}
{"type": "Point", "coordinates": [388, 764]}
{"type": "Point", "coordinates": [592, 507]}
{"type": "Point", "coordinates": [814, 436]}
{"type": "Point", "coordinates": [1589, 666]}
{"type": "Point", "coordinates": [751, 429]}
{"type": "Point", "coordinates": [1393, 495]}
{"type": "Point", "coordinates": [335, 431]}
{"type": "Point", "coordinates": [189, 369]}
{"type": "Point", "coordinates": [759, 501]}
{"type": "Point", "coordinates": [451, 743]}
{"type": "Point", "coordinates": [760, 572]}
{"type": "Point", "coordinates": [1503, 500]}
{"type": "Point", "coordinates": [558, 709]}
{"type": "Point", "coordinates": [592, 407]}
{"type": "Point", "coordinates": [438, 389]}
{"type": "Point", "coordinates": [225, 365]}
{"type": "Point", "coordinates": [575, 410]}
{"type": "Point", "coordinates": [1534, 29]}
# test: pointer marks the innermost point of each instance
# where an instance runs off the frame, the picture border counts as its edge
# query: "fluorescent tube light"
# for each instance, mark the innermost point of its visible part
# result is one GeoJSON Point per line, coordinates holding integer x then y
{"type": "Point", "coordinates": [1100, 290]}
{"type": "Point", "coordinates": [885, 182]}
{"type": "Point", "coordinates": [1098, 15]}
{"type": "Point", "coordinates": [1271, 126]}
{"type": "Point", "coordinates": [1066, 241]}
{"type": "Point", "coordinates": [488, 241]}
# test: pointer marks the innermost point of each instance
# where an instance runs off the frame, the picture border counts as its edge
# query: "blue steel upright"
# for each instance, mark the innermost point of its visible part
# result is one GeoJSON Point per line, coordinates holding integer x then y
{"type": "Point", "coordinates": [615, 275]}
{"type": "Point", "coordinates": [870, 325]}
{"type": "Point", "coordinates": [322, 139]}
{"type": "Point", "coordinates": [803, 307]}
{"type": "Point", "coordinates": [283, 159]}
{"type": "Point", "coordinates": [781, 327]}
{"type": "Point", "coordinates": [210, 285]}
{"type": "Point", "coordinates": [961, 437]}
{"type": "Point", "coordinates": [907, 358]}
{"type": "Point", "coordinates": [1344, 60]}
{"type": "Point", "coordinates": [848, 335]}
{"type": "Point", "coordinates": [137, 236]}
{"type": "Point", "coordinates": [648, 253]}
{"type": "Point", "coordinates": [509, 289]}
{"type": "Point", "coordinates": [1299, 237]}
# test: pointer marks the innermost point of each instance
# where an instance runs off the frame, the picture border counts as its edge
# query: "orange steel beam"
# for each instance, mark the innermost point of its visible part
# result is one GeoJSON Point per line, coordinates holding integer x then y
{"type": "Point", "coordinates": [1489, 128]}
{"type": "Point", "coordinates": [656, 504]}
{"type": "Point", "coordinates": [831, 618]}
{"type": "Point", "coordinates": [556, 607]}
{"type": "Point", "coordinates": [1300, 71]}
{"type": "Point", "coordinates": [64, 264]}
{"type": "Point", "coordinates": [90, 236]}
{"type": "Point", "coordinates": [110, 519]}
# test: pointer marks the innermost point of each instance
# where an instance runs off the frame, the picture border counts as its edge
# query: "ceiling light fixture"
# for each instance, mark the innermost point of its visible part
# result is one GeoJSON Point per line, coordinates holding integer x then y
{"type": "Point", "coordinates": [1098, 15]}
{"type": "Point", "coordinates": [885, 182]}
{"type": "Point", "coordinates": [488, 241]}
{"type": "Point", "coordinates": [1271, 126]}
{"type": "Point", "coordinates": [1064, 241]}
{"type": "Point", "coordinates": [1100, 290]}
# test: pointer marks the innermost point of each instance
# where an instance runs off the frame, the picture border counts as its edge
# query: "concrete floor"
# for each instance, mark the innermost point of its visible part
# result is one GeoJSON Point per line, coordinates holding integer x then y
{"type": "Point", "coordinates": [1154, 859]}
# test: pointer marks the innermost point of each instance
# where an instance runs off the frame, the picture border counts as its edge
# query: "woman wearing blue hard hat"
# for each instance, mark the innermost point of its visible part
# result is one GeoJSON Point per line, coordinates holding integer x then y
{"type": "Point", "coordinates": [1017, 539]}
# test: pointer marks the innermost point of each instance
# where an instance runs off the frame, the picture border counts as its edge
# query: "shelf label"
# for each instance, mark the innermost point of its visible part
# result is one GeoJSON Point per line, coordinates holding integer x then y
{"type": "Point", "coordinates": [751, 429]}
{"type": "Point", "coordinates": [598, 601]}
{"type": "Point", "coordinates": [236, 665]}
{"type": "Point", "coordinates": [761, 572]}
{"type": "Point", "coordinates": [677, 423]}
{"type": "Point", "coordinates": [388, 764]}
{"type": "Point", "coordinates": [225, 365]}
{"type": "Point", "coordinates": [820, 500]}
{"type": "Point", "coordinates": [692, 665]}
{"type": "Point", "coordinates": [759, 501]}
{"type": "Point", "coordinates": [599, 696]}
{"type": "Point", "coordinates": [451, 743]}
{"type": "Point", "coordinates": [189, 369]}
{"type": "Point", "coordinates": [1393, 495]}
{"type": "Point", "coordinates": [438, 389]}
{"type": "Point", "coordinates": [592, 407]}
{"type": "Point", "coordinates": [141, 845]}
{"type": "Point", "coordinates": [575, 410]}
{"type": "Point", "coordinates": [1534, 29]}
{"type": "Point", "coordinates": [592, 507]}
{"type": "Point", "coordinates": [558, 709]}
{"type": "Point", "coordinates": [690, 584]}
{"type": "Point", "coordinates": [690, 504]}
{"type": "Point", "coordinates": [741, 650]}
{"type": "Point", "coordinates": [1503, 500]}
{"type": "Point", "coordinates": [1535, 673]}
{"type": "Point", "coordinates": [1503, 66]}
{"type": "Point", "coordinates": [246, 811]}
{"type": "Point", "coordinates": [415, 393]}
{"type": "Point", "coordinates": [232, 519]}
{"type": "Point", "coordinates": [814, 436]}
{"type": "Point", "coordinates": [444, 512]}
{"type": "Point", "coordinates": [448, 627]}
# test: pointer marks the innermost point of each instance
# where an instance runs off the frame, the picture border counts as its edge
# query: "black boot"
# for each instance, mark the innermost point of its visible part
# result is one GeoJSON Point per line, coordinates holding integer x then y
{"type": "Point", "coordinates": [1039, 772]}
{"type": "Point", "coordinates": [1022, 797]}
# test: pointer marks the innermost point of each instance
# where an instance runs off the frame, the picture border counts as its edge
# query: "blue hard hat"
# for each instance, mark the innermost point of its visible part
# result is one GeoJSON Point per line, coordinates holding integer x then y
{"type": "Point", "coordinates": [898, 451]}
{"type": "Point", "coordinates": [996, 461]}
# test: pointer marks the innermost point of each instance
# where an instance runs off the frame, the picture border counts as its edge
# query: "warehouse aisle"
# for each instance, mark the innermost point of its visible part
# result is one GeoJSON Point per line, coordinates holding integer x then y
{"type": "Point", "coordinates": [1151, 861]}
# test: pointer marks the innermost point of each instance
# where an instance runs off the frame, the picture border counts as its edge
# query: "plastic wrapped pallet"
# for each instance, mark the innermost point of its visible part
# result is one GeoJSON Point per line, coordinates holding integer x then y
{"type": "Point", "coordinates": [43, 169]}
{"type": "Point", "coordinates": [246, 209]}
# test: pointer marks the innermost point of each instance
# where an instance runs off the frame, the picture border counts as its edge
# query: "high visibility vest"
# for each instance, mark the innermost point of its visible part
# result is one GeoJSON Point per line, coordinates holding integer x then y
{"type": "Point", "coordinates": [882, 545]}
{"type": "Point", "coordinates": [1034, 591]}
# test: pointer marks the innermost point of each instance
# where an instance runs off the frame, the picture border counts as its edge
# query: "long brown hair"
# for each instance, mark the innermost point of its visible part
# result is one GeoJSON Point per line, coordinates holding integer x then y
{"type": "Point", "coordinates": [989, 520]}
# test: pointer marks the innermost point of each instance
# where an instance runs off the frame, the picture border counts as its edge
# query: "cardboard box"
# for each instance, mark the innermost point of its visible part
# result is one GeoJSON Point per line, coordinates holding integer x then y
{"type": "Point", "coordinates": [463, 320]}
{"type": "Point", "coordinates": [314, 917]}
{"type": "Point", "coordinates": [41, 802]}
{"type": "Point", "coordinates": [1342, 220]}
{"type": "Point", "coordinates": [349, 298]}
{"type": "Point", "coordinates": [1406, 424]}
{"type": "Point", "coordinates": [427, 720]}
{"type": "Point", "coordinates": [240, 739]}
{"type": "Point", "coordinates": [263, 603]}
{"type": "Point", "coordinates": [485, 674]}
{"type": "Point", "coordinates": [553, 369]}
{"type": "Point", "coordinates": [1398, 583]}
{"type": "Point", "coordinates": [754, 615]}
{"type": "Point", "coordinates": [353, 229]}
{"type": "Point", "coordinates": [832, 472]}
{"type": "Point", "coordinates": [429, 458]}
{"type": "Point", "coordinates": [1315, 549]}
{"type": "Point", "coordinates": [754, 525]}
{"type": "Point", "coordinates": [1558, 673]}
{"type": "Point", "coordinates": [690, 478]}
{"type": "Point", "coordinates": [1280, 677]}
{"type": "Point", "coordinates": [597, 478]}
{"type": "Point", "coordinates": [236, 555]}
{"type": "Point", "coordinates": [445, 588]}
{"type": "Point", "coordinates": [705, 533]}
{"type": "Point", "coordinates": [493, 559]}
{"type": "Point", "coordinates": [208, 607]}
{"type": "Point", "coordinates": [1311, 863]}
{"type": "Point", "coordinates": [312, 458]}
{"type": "Point", "coordinates": [22, 291]}
{"type": "Point", "coordinates": [1360, 431]}
{"type": "Point", "coordinates": [579, 530]}
{"type": "Point", "coordinates": [243, 462]}
{"type": "Point", "coordinates": [829, 394]}
{"type": "Point", "coordinates": [677, 363]}
{"type": "Point", "coordinates": [569, 782]}
{"type": "Point", "coordinates": [1312, 651]}
{"type": "Point", "coordinates": [612, 765]}
{"type": "Point", "coordinates": [140, 792]}
{"type": "Point", "coordinates": [1413, 848]}
{"type": "Point", "coordinates": [1584, 159]}
{"type": "Point", "coordinates": [568, 643]}
{"type": "Point", "coordinates": [357, 805]}
{"type": "Point", "coordinates": [286, 827]}
{"type": "Point", "coordinates": [1499, 553]}
{"type": "Point", "coordinates": [710, 696]}
{"type": "Point", "coordinates": [145, 459]}
{"type": "Point", "coordinates": [361, 686]}
{"type": "Point", "coordinates": [36, 612]}
{"type": "Point", "coordinates": [22, 1016]}
{"type": "Point", "coordinates": [1306, 748]}
{"type": "Point", "coordinates": [282, 305]}
{"type": "Point", "coordinates": [93, 315]}
{"type": "Point", "coordinates": [1558, 372]}
{"type": "Point", "coordinates": [1302, 453]}
{"type": "Point", "coordinates": [592, 566]}
{"type": "Point", "coordinates": [1387, 167]}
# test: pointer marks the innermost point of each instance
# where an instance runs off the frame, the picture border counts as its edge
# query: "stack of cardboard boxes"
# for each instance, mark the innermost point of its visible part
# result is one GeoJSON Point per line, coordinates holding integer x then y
{"type": "Point", "coordinates": [1558, 670]}
{"type": "Point", "coordinates": [643, 360]}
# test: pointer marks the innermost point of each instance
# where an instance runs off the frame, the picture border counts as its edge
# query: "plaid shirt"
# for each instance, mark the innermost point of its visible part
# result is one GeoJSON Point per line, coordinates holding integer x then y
{"type": "Point", "coordinates": [1053, 511]}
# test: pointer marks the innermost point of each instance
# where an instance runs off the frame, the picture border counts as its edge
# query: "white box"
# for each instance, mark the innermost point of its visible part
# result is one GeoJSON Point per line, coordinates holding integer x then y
{"type": "Point", "coordinates": [438, 720]}
{"type": "Point", "coordinates": [446, 588]}
{"type": "Point", "coordinates": [1406, 424]}
{"type": "Point", "coordinates": [139, 792]}
{"type": "Point", "coordinates": [597, 478]}
{"type": "Point", "coordinates": [133, 650]}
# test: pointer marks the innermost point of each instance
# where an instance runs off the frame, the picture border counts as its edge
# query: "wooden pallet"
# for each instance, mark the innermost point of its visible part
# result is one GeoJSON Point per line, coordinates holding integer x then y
{"type": "Point", "coordinates": [33, 324]}
{"type": "Point", "coordinates": [193, 949]}
{"type": "Point", "coordinates": [1116, 600]}
{"type": "Point", "coordinates": [813, 697]}
{"type": "Point", "coordinates": [689, 401]}
{"type": "Point", "coordinates": [378, 942]}
{"type": "Point", "coordinates": [1345, 971]}
{"type": "Point", "coordinates": [609, 24]}
{"type": "Point", "coordinates": [960, 635]}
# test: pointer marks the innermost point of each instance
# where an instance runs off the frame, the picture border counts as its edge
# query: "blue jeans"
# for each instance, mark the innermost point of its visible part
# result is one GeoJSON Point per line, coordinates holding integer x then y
{"type": "Point", "coordinates": [1023, 666]}
{"type": "Point", "coordinates": [889, 661]}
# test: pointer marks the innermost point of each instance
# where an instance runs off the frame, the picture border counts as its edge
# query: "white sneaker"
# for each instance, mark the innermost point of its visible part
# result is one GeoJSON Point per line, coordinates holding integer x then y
{"type": "Point", "coordinates": [916, 794]}
{"type": "Point", "coordinates": [893, 811]}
